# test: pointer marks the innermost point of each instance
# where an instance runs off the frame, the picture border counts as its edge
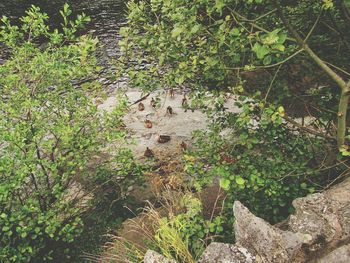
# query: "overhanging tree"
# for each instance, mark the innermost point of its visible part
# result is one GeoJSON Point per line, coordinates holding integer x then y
{"type": "Point", "coordinates": [211, 44]}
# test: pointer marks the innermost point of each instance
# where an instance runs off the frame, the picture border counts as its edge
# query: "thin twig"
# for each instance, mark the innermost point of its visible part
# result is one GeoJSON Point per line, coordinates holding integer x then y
{"type": "Point", "coordinates": [272, 81]}
{"type": "Point", "coordinates": [313, 27]}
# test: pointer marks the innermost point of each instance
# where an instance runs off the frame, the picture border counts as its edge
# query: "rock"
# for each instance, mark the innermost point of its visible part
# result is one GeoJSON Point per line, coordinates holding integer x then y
{"type": "Point", "coordinates": [340, 255]}
{"type": "Point", "coordinates": [318, 232]}
{"type": "Point", "coordinates": [320, 224]}
{"type": "Point", "coordinates": [154, 257]}
{"type": "Point", "coordinates": [226, 253]}
{"type": "Point", "coordinates": [262, 239]}
{"type": "Point", "coordinates": [323, 216]}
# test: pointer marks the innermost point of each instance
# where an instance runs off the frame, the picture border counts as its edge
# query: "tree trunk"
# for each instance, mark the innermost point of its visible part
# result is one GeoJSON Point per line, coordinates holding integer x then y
{"type": "Point", "coordinates": [343, 108]}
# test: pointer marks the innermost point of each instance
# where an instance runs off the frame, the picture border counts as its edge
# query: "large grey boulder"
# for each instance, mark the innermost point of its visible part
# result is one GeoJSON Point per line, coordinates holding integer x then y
{"type": "Point", "coordinates": [226, 253]}
{"type": "Point", "coordinates": [264, 240]}
{"type": "Point", "coordinates": [154, 257]}
{"type": "Point", "coordinates": [318, 232]}
{"type": "Point", "coordinates": [320, 224]}
{"type": "Point", "coordinates": [325, 217]}
{"type": "Point", "coordinates": [339, 255]}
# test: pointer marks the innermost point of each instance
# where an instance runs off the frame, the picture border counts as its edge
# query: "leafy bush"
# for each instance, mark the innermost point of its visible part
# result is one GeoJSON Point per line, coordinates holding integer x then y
{"type": "Point", "coordinates": [52, 137]}
{"type": "Point", "coordinates": [258, 158]}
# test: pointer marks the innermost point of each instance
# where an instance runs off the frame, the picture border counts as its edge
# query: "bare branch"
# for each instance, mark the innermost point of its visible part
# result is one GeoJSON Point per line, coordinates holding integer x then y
{"type": "Point", "coordinates": [302, 43]}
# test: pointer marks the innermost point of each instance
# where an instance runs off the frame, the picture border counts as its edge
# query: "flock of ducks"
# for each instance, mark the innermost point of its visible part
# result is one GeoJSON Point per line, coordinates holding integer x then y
{"type": "Point", "coordinates": [169, 112]}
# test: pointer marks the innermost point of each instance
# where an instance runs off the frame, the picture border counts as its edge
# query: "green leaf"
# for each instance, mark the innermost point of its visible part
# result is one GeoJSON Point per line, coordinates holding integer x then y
{"type": "Point", "coordinates": [176, 32]}
{"type": "Point", "coordinates": [225, 184]}
{"type": "Point", "coordinates": [303, 185]}
{"type": "Point", "coordinates": [195, 29]}
{"type": "Point", "coordinates": [261, 50]}
{"type": "Point", "coordinates": [271, 38]}
{"type": "Point", "coordinates": [219, 5]}
{"type": "Point", "coordinates": [3, 216]}
{"type": "Point", "coordinates": [235, 31]}
{"type": "Point", "coordinates": [279, 47]}
{"type": "Point", "coordinates": [239, 180]}
{"type": "Point", "coordinates": [282, 38]}
{"type": "Point", "coordinates": [267, 60]}
{"type": "Point", "coordinates": [281, 111]}
{"type": "Point", "coordinates": [347, 3]}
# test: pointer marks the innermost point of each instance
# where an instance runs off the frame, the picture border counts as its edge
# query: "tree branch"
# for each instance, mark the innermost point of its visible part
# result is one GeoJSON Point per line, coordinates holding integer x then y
{"type": "Point", "coordinates": [341, 83]}
{"type": "Point", "coordinates": [311, 131]}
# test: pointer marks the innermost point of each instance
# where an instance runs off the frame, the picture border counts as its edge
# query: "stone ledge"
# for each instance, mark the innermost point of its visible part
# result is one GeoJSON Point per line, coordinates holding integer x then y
{"type": "Point", "coordinates": [318, 231]}
{"type": "Point", "coordinates": [154, 257]}
{"type": "Point", "coordinates": [219, 252]}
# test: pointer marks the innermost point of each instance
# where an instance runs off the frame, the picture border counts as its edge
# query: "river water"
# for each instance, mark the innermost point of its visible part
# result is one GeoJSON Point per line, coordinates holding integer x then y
{"type": "Point", "coordinates": [106, 18]}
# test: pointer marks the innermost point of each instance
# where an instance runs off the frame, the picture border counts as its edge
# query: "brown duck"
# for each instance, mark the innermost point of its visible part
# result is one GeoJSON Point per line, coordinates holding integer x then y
{"type": "Point", "coordinates": [148, 153]}
{"type": "Point", "coordinates": [169, 111]}
{"type": "Point", "coordinates": [148, 124]}
{"type": "Point", "coordinates": [141, 106]}
{"type": "Point", "coordinates": [172, 93]}
{"type": "Point", "coordinates": [153, 103]}
{"type": "Point", "coordinates": [183, 146]}
{"type": "Point", "coordinates": [163, 138]}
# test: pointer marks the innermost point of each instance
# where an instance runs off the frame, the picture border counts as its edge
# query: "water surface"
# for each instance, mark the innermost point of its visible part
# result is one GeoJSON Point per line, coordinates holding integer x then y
{"type": "Point", "coordinates": [106, 15]}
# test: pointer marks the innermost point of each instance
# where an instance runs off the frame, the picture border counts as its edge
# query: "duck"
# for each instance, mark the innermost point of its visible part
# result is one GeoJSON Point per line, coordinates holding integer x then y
{"type": "Point", "coordinates": [153, 103]}
{"type": "Point", "coordinates": [148, 153]}
{"type": "Point", "coordinates": [148, 124]}
{"type": "Point", "coordinates": [141, 106]}
{"type": "Point", "coordinates": [169, 111]}
{"type": "Point", "coordinates": [183, 146]}
{"type": "Point", "coordinates": [163, 138]}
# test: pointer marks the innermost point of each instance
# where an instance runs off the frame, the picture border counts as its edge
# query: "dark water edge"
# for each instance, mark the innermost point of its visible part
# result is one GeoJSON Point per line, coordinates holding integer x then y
{"type": "Point", "coordinates": [107, 16]}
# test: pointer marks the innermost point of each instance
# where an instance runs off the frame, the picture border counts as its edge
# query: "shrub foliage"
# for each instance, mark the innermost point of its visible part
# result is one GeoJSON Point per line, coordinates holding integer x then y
{"type": "Point", "coordinates": [52, 137]}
